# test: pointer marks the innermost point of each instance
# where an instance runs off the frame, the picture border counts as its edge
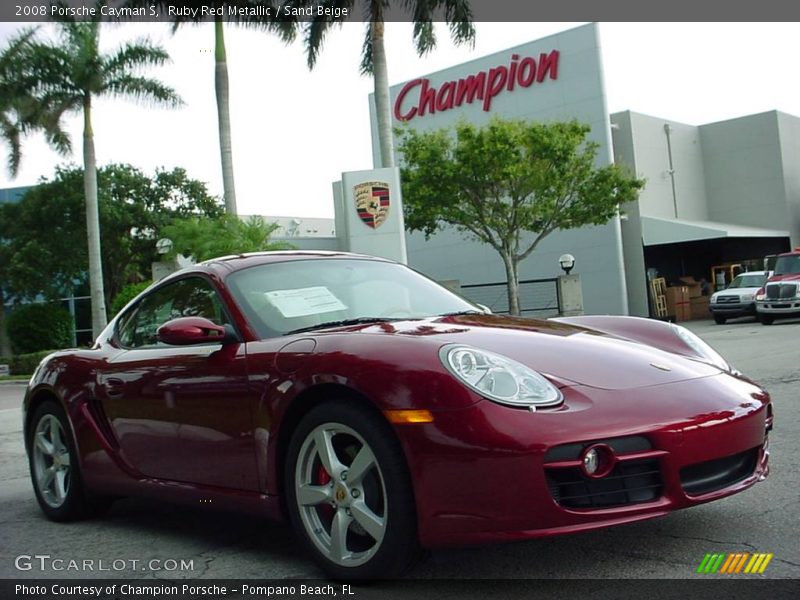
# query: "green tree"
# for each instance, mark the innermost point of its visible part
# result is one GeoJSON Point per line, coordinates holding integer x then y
{"type": "Point", "coordinates": [457, 14]}
{"type": "Point", "coordinates": [284, 28]}
{"type": "Point", "coordinates": [509, 184]}
{"type": "Point", "coordinates": [40, 255]}
{"type": "Point", "coordinates": [22, 108]}
{"type": "Point", "coordinates": [202, 238]}
{"type": "Point", "coordinates": [73, 72]}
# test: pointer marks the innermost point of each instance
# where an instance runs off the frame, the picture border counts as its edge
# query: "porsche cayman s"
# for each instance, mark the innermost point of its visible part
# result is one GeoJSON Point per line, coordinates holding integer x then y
{"type": "Point", "coordinates": [380, 413]}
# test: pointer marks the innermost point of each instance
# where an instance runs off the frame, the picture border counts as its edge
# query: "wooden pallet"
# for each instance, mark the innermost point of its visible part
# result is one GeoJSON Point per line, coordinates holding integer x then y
{"type": "Point", "coordinates": [658, 295]}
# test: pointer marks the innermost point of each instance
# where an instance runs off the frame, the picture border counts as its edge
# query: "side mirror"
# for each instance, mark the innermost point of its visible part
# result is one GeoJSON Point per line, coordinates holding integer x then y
{"type": "Point", "coordinates": [186, 331]}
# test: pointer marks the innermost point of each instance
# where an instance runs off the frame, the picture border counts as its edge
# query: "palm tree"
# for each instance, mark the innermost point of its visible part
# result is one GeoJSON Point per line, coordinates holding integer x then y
{"type": "Point", "coordinates": [458, 16]}
{"type": "Point", "coordinates": [284, 28]}
{"type": "Point", "coordinates": [71, 73]}
{"type": "Point", "coordinates": [21, 110]}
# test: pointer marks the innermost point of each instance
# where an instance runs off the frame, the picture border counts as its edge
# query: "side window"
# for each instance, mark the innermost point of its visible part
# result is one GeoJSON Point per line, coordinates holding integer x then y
{"type": "Point", "coordinates": [190, 297]}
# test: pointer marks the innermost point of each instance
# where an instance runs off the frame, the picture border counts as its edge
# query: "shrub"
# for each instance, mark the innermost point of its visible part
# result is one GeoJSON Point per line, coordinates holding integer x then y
{"type": "Point", "coordinates": [126, 294]}
{"type": "Point", "coordinates": [24, 364]}
{"type": "Point", "coordinates": [36, 327]}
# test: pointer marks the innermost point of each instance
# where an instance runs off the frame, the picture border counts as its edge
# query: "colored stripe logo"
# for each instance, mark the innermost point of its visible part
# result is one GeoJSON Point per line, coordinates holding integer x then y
{"type": "Point", "coordinates": [735, 563]}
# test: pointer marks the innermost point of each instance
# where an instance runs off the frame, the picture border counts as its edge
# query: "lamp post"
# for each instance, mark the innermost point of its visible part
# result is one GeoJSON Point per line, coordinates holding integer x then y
{"type": "Point", "coordinates": [570, 293]}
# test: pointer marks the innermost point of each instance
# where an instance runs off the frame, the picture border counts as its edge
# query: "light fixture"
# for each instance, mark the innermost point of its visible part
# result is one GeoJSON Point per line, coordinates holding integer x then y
{"type": "Point", "coordinates": [164, 246]}
{"type": "Point", "coordinates": [567, 261]}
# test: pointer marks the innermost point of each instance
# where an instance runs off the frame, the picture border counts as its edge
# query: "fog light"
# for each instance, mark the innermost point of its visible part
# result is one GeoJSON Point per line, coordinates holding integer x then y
{"type": "Point", "coordinates": [591, 461]}
{"type": "Point", "coordinates": [598, 460]}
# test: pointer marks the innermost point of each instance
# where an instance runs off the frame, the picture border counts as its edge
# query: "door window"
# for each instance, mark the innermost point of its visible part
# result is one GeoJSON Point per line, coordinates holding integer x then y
{"type": "Point", "coordinates": [189, 297]}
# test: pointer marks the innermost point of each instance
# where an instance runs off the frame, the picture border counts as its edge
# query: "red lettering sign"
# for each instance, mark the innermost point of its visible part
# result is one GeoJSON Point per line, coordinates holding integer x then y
{"type": "Point", "coordinates": [484, 85]}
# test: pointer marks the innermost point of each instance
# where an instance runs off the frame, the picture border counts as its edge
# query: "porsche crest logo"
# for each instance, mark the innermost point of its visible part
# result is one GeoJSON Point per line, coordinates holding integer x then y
{"type": "Point", "coordinates": [372, 202]}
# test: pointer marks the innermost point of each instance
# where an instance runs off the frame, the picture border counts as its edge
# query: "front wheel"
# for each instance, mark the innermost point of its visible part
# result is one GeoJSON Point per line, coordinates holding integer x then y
{"type": "Point", "coordinates": [719, 319]}
{"type": "Point", "coordinates": [766, 319]}
{"type": "Point", "coordinates": [54, 469]}
{"type": "Point", "coordinates": [349, 494]}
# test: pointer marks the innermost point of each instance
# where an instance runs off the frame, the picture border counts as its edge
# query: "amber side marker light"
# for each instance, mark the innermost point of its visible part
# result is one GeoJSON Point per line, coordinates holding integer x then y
{"type": "Point", "coordinates": [409, 416]}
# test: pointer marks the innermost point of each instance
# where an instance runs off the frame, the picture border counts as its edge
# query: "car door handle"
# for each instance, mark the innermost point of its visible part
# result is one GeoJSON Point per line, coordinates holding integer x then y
{"type": "Point", "coordinates": [114, 387]}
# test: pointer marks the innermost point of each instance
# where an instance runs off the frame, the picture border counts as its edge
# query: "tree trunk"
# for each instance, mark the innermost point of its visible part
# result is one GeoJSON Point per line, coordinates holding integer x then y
{"type": "Point", "coordinates": [224, 117]}
{"type": "Point", "coordinates": [383, 109]}
{"type": "Point", "coordinates": [512, 284]}
{"type": "Point", "coordinates": [93, 223]}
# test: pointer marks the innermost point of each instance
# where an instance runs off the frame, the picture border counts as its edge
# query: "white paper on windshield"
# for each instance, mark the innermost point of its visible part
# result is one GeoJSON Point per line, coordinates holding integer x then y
{"type": "Point", "coordinates": [304, 301]}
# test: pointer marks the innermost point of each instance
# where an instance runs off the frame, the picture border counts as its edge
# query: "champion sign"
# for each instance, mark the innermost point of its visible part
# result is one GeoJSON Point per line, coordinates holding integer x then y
{"type": "Point", "coordinates": [484, 86]}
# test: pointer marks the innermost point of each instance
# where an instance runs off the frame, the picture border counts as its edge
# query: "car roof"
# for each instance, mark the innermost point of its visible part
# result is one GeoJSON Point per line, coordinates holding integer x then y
{"type": "Point", "coordinates": [226, 264]}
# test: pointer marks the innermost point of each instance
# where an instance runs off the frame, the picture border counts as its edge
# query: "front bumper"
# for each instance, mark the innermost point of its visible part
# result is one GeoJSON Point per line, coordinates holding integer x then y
{"type": "Point", "coordinates": [733, 309]}
{"type": "Point", "coordinates": [485, 473]}
{"type": "Point", "coordinates": [780, 308]}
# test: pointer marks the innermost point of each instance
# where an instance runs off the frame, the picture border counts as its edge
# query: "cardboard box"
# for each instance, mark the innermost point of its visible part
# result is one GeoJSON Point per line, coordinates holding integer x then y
{"type": "Point", "coordinates": [698, 307]}
{"type": "Point", "coordinates": [695, 287]}
{"type": "Point", "coordinates": [678, 302]}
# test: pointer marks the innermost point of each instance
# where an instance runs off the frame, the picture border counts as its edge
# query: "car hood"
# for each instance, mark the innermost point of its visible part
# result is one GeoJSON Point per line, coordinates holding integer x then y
{"type": "Point", "coordinates": [793, 277]}
{"type": "Point", "coordinates": [742, 291]}
{"type": "Point", "coordinates": [563, 352]}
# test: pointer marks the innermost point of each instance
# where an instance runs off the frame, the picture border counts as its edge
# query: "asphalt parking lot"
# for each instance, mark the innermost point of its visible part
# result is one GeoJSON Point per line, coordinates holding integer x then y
{"type": "Point", "coordinates": [763, 519]}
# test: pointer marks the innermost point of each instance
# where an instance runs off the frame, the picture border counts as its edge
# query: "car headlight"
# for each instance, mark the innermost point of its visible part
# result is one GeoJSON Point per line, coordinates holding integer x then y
{"type": "Point", "coordinates": [714, 298]}
{"type": "Point", "coordinates": [499, 378]}
{"type": "Point", "coordinates": [704, 351]}
{"type": "Point", "coordinates": [747, 297]}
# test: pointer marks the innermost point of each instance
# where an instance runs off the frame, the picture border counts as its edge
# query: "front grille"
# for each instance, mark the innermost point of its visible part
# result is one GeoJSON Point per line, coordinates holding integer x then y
{"type": "Point", "coordinates": [728, 300]}
{"type": "Point", "coordinates": [630, 482]}
{"type": "Point", "coordinates": [781, 291]}
{"type": "Point", "coordinates": [718, 474]}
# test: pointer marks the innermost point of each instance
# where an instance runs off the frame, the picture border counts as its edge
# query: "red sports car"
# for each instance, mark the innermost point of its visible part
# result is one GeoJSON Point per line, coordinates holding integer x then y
{"type": "Point", "coordinates": [381, 413]}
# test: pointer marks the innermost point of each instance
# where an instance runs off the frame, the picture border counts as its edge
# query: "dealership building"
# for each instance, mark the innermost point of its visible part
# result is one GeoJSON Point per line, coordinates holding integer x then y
{"type": "Point", "coordinates": [717, 193]}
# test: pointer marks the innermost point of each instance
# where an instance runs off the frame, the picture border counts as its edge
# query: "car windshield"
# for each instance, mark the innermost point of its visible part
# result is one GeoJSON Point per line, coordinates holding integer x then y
{"type": "Point", "coordinates": [286, 297]}
{"type": "Point", "coordinates": [748, 281]}
{"type": "Point", "coordinates": [787, 264]}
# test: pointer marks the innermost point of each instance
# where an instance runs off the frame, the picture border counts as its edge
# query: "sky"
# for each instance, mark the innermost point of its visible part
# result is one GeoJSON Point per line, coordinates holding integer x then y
{"type": "Point", "coordinates": [295, 131]}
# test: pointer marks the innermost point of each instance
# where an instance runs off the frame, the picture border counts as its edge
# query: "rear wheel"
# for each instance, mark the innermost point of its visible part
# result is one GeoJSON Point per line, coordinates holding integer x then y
{"type": "Point", "coordinates": [54, 469]}
{"type": "Point", "coordinates": [349, 494]}
{"type": "Point", "coordinates": [719, 319]}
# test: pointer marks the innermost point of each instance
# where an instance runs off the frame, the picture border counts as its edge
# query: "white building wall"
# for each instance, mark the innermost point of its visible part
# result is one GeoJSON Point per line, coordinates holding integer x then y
{"type": "Point", "coordinates": [744, 172]}
{"type": "Point", "coordinates": [789, 132]}
{"type": "Point", "coordinates": [648, 136]}
{"type": "Point", "coordinates": [578, 93]}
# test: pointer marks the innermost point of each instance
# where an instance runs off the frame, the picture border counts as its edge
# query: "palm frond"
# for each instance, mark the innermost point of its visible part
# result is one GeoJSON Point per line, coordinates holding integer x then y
{"type": "Point", "coordinates": [367, 64]}
{"type": "Point", "coordinates": [11, 134]}
{"type": "Point", "coordinates": [134, 55]}
{"type": "Point", "coordinates": [143, 90]}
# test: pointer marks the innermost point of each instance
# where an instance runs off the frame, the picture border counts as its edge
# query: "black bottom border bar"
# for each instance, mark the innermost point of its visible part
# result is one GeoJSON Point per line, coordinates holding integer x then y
{"type": "Point", "coordinates": [732, 587]}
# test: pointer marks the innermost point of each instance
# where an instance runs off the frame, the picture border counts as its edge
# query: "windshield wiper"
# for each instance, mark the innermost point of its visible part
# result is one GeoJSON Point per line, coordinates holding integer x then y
{"type": "Point", "coordinates": [458, 313]}
{"type": "Point", "coordinates": [343, 323]}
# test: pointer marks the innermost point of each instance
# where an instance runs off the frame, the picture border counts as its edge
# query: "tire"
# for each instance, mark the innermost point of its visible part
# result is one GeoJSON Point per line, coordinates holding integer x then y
{"type": "Point", "coordinates": [719, 319]}
{"type": "Point", "coordinates": [766, 319]}
{"type": "Point", "coordinates": [374, 507]}
{"type": "Point", "coordinates": [54, 469]}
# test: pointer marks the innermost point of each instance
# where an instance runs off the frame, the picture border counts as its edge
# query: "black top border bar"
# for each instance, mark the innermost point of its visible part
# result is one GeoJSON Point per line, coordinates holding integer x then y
{"type": "Point", "coordinates": [482, 10]}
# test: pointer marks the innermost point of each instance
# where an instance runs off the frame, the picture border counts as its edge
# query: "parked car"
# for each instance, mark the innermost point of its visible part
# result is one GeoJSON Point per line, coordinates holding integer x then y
{"type": "Point", "coordinates": [739, 298]}
{"type": "Point", "coordinates": [779, 298]}
{"type": "Point", "coordinates": [381, 413]}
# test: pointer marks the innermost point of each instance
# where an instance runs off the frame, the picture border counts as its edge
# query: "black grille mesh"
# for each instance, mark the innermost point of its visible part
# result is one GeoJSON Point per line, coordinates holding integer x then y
{"type": "Point", "coordinates": [630, 482]}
